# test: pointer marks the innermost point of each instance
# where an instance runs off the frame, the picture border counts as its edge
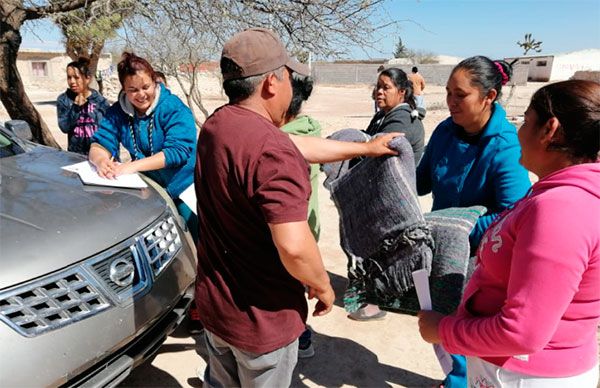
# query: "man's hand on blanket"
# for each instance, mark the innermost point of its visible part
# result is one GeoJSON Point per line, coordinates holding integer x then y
{"type": "Point", "coordinates": [326, 299]}
{"type": "Point", "coordinates": [428, 326]}
{"type": "Point", "coordinates": [379, 145]}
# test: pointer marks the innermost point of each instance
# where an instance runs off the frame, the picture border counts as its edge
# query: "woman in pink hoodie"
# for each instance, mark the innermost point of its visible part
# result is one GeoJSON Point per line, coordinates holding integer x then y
{"type": "Point", "coordinates": [530, 312]}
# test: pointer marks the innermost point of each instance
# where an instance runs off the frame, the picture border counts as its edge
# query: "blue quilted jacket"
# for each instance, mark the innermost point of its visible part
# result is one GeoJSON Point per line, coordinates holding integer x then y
{"type": "Point", "coordinates": [487, 173]}
{"type": "Point", "coordinates": [173, 133]}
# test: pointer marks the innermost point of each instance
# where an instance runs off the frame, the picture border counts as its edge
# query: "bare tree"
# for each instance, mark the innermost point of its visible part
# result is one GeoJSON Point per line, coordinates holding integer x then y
{"type": "Point", "coordinates": [323, 27]}
{"type": "Point", "coordinates": [13, 13]}
{"type": "Point", "coordinates": [197, 29]}
{"type": "Point", "coordinates": [179, 35]}
{"type": "Point", "coordinates": [421, 56]}
{"type": "Point", "coordinates": [175, 49]}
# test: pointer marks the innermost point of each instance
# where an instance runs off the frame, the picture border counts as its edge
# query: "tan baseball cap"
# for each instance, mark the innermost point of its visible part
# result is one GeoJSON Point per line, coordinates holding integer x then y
{"type": "Point", "coordinates": [258, 51]}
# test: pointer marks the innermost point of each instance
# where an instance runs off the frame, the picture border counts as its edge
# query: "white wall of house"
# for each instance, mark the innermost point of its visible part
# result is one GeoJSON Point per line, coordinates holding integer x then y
{"type": "Point", "coordinates": [47, 69]}
{"type": "Point", "coordinates": [559, 67]}
{"type": "Point", "coordinates": [540, 67]}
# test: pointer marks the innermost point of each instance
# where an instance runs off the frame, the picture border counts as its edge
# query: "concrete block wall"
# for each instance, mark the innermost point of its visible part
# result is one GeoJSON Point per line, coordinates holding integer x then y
{"type": "Point", "coordinates": [344, 73]}
{"type": "Point", "coordinates": [363, 73]}
{"type": "Point", "coordinates": [433, 74]}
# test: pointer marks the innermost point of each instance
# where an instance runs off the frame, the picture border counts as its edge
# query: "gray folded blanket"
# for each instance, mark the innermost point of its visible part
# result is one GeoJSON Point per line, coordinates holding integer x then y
{"type": "Point", "coordinates": [386, 236]}
{"type": "Point", "coordinates": [336, 169]}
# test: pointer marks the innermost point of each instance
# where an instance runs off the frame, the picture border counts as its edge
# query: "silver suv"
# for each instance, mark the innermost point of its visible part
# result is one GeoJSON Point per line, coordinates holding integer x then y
{"type": "Point", "coordinates": [92, 279]}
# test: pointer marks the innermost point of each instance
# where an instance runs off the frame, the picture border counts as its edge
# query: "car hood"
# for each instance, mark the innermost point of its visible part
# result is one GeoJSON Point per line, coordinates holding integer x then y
{"type": "Point", "coordinates": [49, 219]}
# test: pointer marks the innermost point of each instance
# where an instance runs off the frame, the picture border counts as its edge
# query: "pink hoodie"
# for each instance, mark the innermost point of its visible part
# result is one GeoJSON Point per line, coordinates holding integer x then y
{"type": "Point", "coordinates": [532, 305]}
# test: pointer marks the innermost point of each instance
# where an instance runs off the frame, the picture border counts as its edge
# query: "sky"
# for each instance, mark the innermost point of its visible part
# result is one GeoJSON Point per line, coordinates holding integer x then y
{"type": "Point", "coordinates": [491, 27]}
{"type": "Point", "coordinates": [459, 28]}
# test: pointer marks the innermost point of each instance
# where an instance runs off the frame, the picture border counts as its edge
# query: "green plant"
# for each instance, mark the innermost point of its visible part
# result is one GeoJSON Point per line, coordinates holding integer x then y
{"type": "Point", "coordinates": [401, 51]}
{"type": "Point", "coordinates": [530, 44]}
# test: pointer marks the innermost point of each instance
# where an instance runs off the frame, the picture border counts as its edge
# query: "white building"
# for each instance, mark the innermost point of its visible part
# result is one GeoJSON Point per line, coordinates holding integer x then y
{"type": "Point", "coordinates": [560, 66]}
{"type": "Point", "coordinates": [48, 69]}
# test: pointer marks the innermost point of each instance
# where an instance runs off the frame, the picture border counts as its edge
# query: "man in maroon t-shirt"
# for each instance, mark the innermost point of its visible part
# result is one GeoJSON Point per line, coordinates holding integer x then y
{"type": "Point", "coordinates": [256, 252]}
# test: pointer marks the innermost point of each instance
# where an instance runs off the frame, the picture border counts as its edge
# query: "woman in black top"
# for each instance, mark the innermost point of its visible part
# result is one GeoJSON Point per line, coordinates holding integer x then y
{"type": "Point", "coordinates": [398, 110]}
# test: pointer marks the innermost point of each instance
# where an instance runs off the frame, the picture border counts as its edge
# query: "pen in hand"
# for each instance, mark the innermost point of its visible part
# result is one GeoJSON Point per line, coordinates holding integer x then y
{"type": "Point", "coordinates": [110, 173]}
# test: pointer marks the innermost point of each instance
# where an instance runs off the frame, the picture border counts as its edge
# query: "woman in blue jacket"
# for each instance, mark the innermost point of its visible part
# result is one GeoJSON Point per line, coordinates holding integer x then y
{"type": "Point", "coordinates": [473, 156]}
{"type": "Point", "coordinates": [155, 127]}
{"type": "Point", "coordinates": [79, 108]}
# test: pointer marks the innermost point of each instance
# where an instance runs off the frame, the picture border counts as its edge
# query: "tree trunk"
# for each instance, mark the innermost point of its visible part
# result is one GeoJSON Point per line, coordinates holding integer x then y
{"type": "Point", "coordinates": [95, 55]}
{"type": "Point", "coordinates": [196, 95]}
{"type": "Point", "coordinates": [186, 91]}
{"type": "Point", "coordinates": [12, 91]}
{"type": "Point", "coordinates": [94, 59]}
{"type": "Point", "coordinates": [508, 99]}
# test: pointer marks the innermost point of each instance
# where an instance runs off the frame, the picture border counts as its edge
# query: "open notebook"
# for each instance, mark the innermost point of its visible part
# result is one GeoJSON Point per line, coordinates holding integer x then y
{"type": "Point", "coordinates": [89, 176]}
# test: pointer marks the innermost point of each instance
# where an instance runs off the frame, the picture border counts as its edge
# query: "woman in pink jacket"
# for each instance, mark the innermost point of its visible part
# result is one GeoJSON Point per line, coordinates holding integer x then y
{"type": "Point", "coordinates": [530, 312]}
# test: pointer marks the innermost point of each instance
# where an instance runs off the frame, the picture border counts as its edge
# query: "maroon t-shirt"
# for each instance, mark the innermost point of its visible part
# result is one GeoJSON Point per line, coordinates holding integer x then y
{"type": "Point", "coordinates": [248, 174]}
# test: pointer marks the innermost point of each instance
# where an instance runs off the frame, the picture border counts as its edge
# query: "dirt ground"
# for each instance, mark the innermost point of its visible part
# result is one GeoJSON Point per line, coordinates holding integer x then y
{"type": "Point", "coordinates": [348, 353]}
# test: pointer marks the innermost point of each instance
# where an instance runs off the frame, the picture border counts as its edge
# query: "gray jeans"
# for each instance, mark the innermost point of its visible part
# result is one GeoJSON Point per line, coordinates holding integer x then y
{"type": "Point", "coordinates": [229, 366]}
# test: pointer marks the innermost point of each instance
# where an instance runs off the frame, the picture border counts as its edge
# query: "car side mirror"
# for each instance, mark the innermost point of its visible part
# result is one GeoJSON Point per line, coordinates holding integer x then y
{"type": "Point", "coordinates": [20, 128]}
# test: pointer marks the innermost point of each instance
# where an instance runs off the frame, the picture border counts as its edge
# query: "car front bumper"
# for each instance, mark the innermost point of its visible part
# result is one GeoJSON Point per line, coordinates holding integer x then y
{"type": "Point", "coordinates": [102, 349]}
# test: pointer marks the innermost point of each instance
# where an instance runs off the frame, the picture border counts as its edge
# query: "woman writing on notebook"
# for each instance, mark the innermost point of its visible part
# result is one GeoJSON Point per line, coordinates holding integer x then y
{"type": "Point", "coordinates": [155, 127]}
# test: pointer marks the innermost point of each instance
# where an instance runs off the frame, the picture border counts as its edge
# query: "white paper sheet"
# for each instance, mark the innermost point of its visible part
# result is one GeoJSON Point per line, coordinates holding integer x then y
{"type": "Point", "coordinates": [73, 167]}
{"type": "Point", "coordinates": [189, 198]}
{"type": "Point", "coordinates": [89, 176]}
{"type": "Point", "coordinates": [421, 280]}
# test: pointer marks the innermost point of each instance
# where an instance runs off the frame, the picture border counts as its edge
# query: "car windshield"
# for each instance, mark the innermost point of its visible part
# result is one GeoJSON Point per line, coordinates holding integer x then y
{"type": "Point", "coordinates": [8, 147]}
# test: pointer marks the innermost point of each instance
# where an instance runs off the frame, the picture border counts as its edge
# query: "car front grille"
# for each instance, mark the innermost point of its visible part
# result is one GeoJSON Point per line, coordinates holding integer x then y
{"type": "Point", "coordinates": [52, 303]}
{"type": "Point", "coordinates": [113, 277]}
{"type": "Point", "coordinates": [160, 244]}
{"type": "Point", "coordinates": [103, 269]}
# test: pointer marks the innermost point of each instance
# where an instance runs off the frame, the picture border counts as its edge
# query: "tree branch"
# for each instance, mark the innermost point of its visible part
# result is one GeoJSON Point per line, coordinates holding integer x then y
{"type": "Point", "coordinates": [32, 13]}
